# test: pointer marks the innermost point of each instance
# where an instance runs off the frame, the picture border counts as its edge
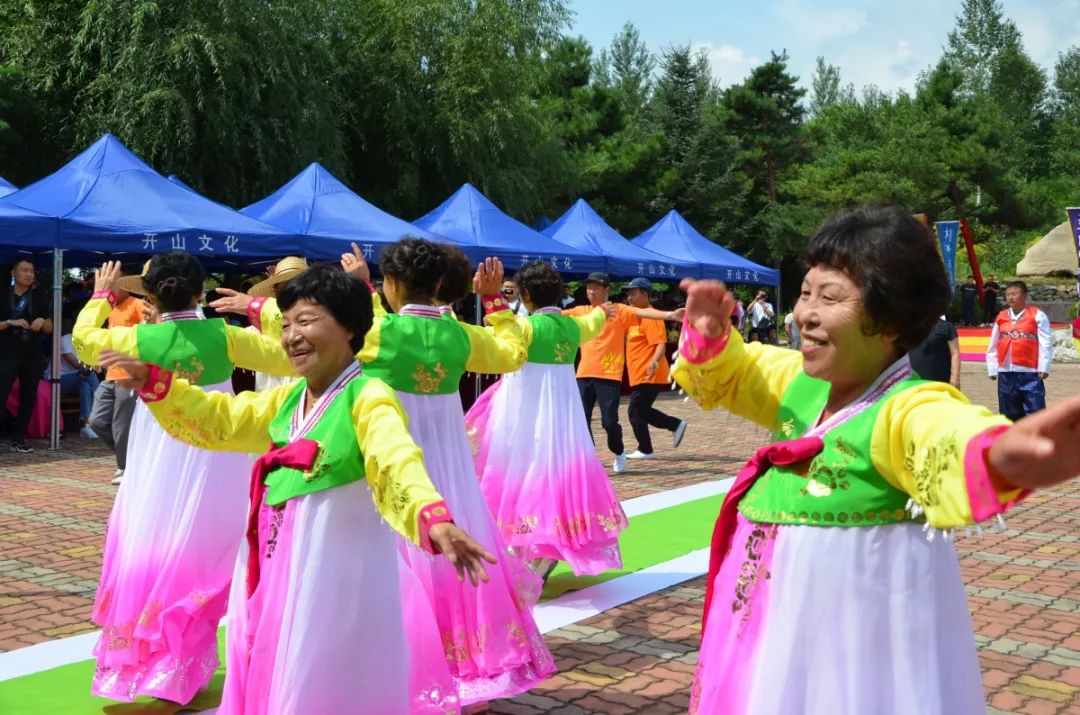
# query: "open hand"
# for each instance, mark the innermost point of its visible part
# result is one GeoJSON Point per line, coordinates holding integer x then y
{"type": "Point", "coordinates": [678, 314]}
{"type": "Point", "coordinates": [1042, 449]}
{"type": "Point", "coordinates": [708, 306]}
{"type": "Point", "coordinates": [231, 301]}
{"type": "Point", "coordinates": [137, 370]}
{"type": "Point", "coordinates": [105, 276]}
{"type": "Point", "coordinates": [355, 263]}
{"type": "Point", "coordinates": [463, 552]}
{"type": "Point", "coordinates": [489, 277]}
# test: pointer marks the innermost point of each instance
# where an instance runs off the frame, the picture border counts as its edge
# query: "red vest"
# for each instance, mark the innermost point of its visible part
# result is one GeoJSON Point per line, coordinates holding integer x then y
{"type": "Point", "coordinates": [1022, 337]}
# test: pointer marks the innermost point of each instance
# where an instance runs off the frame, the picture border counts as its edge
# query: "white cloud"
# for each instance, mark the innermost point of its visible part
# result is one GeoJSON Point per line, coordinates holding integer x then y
{"type": "Point", "coordinates": [730, 64]}
{"type": "Point", "coordinates": [815, 25]}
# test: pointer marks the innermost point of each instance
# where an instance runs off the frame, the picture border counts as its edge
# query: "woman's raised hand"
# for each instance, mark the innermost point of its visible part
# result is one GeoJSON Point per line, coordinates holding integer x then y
{"type": "Point", "coordinates": [231, 301]}
{"type": "Point", "coordinates": [489, 277]}
{"type": "Point", "coordinates": [355, 263]}
{"type": "Point", "coordinates": [106, 276]}
{"type": "Point", "coordinates": [708, 306]}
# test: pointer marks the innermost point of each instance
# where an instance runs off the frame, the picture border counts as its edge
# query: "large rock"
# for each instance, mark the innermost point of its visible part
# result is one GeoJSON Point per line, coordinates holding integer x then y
{"type": "Point", "coordinates": [1065, 346]}
{"type": "Point", "coordinates": [1054, 253]}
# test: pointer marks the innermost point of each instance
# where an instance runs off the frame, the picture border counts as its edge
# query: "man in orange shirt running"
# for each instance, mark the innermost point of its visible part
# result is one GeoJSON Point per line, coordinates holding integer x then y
{"type": "Point", "coordinates": [647, 367]}
{"type": "Point", "coordinates": [599, 374]}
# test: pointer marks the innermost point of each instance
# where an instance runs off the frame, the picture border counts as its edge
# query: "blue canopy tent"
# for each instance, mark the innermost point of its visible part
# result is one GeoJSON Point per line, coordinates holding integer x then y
{"type": "Point", "coordinates": [480, 229]}
{"type": "Point", "coordinates": [581, 227]}
{"type": "Point", "coordinates": [317, 205]}
{"type": "Point", "coordinates": [673, 236]}
{"type": "Point", "coordinates": [6, 187]}
{"type": "Point", "coordinates": [109, 201]}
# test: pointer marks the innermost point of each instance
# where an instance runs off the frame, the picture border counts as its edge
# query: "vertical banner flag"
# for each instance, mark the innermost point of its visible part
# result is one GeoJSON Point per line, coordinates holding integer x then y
{"type": "Point", "coordinates": [948, 233]}
{"type": "Point", "coordinates": [1074, 224]}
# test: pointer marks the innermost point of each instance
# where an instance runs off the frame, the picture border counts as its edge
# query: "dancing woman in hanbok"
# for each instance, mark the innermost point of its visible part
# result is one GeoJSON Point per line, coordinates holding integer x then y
{"type": "Point", "coordinates": [315, 619]}
{"type": "Point", "coordinates": [834, 587]}
{"type": "Point", "coordinates": [178, 519]}
{"type": "Point", "coordinates": [491, 643]}
{"type": "Point", "coordinates": [538, 467]}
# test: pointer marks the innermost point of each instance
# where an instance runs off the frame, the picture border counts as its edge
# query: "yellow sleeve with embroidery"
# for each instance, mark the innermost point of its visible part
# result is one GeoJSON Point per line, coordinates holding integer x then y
{"type": "Point", "coordinates": [919, 443]}
{"type": "Point", "coordinates": [251, 350]}
{"type": "Point", "coordinates": [500, 351]}
{"type": "Point", "coordinates": [217, 420]}
{"type": "Point", "coordinates": [270, 319]}
{"type": "Point", "coordinates": [89, 338]}
{"type": "Point", "coordinates": [746, 380]}
{"type": "Point", "coordinates": [591, 324]}
{"type": "Point", "coordinates": [394, 465]}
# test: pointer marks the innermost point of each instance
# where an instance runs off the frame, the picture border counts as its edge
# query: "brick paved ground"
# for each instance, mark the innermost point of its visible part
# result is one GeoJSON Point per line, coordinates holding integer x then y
{"type": "Point", "coordinates": [1023, 585]}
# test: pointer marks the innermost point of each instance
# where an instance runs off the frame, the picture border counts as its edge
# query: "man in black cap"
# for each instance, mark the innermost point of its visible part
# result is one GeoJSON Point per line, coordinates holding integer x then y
{"type": "Point", "coordinates": [600, 371]}
{"type": "Point", "coordinates": [647, 368]}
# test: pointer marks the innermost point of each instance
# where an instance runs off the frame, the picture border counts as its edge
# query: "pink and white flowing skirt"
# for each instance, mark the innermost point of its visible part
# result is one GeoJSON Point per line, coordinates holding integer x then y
{"type": "Point", "coordinates": [323, 631]}
{"type": "Point", "coordinates": [490, 641]}
{"type": "Point", "coordinates": [170, 546]}
{"type": "Point", "coordinates": [838, 621]}
{"type": "Point", "coordinates": [540, 473]}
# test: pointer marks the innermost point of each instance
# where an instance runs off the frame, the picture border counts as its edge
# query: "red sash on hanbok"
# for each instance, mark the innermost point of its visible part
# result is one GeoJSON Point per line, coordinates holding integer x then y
{"type": "Point", "coordinates": [781, 454]}
{"type": "Point", "coordinates": [295, 455]}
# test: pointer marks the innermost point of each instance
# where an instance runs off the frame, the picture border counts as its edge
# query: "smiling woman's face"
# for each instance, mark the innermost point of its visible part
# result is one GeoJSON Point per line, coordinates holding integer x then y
{"type": "Point", "coordinates": [314, 341]}
{"type": "Point", "coordinates": [832, 321]}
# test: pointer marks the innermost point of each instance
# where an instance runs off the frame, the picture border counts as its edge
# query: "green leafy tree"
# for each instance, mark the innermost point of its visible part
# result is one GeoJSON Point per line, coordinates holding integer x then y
{"type": "Point", "coordinates": [982, 33]}
{"type": "Point", "coordinates": [628, 66]}
{"type": "Point", "coordinates": [826, 89]}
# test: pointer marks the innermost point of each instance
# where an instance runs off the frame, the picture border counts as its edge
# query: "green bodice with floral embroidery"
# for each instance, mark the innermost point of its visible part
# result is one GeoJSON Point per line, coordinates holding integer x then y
{"type": "Point", "coordinates": [841, 486]}
{"type": "Point", "coordinates": [555, 339]}
{"type": "Point", "coordinates": [339, 461]}
{"type": "Point", "coordinates": [420, 355]}
{"type": "Point", "coordinates": [196, 350]}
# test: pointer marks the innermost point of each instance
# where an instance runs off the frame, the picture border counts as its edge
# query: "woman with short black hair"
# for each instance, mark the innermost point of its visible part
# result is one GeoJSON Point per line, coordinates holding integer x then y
{"type": "Point", "coordinates": [833, 584]}
{"type": "Point", "coordinates": [177, 522]}
{"type": "Point", "coordinates": [315, 613]}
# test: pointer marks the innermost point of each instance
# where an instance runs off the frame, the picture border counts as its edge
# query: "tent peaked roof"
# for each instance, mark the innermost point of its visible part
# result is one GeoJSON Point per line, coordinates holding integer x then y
{"type": "Point", "coordinates": [673, 236]}
{"type": "Point", "coordinates": [6, 187]}
{"type": "Point", "coordinates": [478, 227]}
{"type": "Point", "coordinates": [317, 204]}
{"type": "Point", "coordinates": [110, 200]}
{"type": "Point", "coordinates": [581, 227]}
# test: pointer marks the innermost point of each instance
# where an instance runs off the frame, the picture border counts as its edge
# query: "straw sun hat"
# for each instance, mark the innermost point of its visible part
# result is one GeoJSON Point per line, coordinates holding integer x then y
{"type": "Point", "coordinates": [287, 269]}
{"type": "Point", "coordinates": [133, 284]}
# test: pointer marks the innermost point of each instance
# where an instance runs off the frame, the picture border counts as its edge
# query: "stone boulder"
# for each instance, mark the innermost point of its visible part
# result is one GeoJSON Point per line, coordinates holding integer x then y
{"type": "Point", "coordinates": [1055, 253]}
{"type": "Point", "coordinates": [1065, 346]}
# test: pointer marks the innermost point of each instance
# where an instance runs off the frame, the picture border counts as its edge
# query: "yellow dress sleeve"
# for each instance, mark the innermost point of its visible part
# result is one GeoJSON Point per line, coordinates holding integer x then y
{"type": "Point", "coordinates": [400, 485]}
{"type": "Point", "coordinates": [217, 420]}
{"type": "Point", "coordinates": [270, 319]}
{"type": "Point", "coordinates": [746, 380]}
{"type": "Point", "coordinates": [500, 351]}
{"type": "Point", "coordinates": [89, 338]}
{"type": "Point", "coordinates": [919, 445]}
{"type": "Point", "coordinates": [591, 324]}
{"type": "Point", "coordinates": [370, 350]}
{"type": "Point", "coordinates": [251, 350]}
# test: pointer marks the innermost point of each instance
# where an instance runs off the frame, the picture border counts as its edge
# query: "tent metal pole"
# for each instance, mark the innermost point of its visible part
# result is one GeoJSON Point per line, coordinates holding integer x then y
{"type": "Point", "coordinates": [54, 372]}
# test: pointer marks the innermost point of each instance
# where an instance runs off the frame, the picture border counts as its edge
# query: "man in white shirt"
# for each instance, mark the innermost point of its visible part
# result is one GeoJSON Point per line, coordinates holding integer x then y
{"type": "Point", "coordinates": [1020, 354]}
{"type": "Point", "coordinates": [512, 296]}
{"type": "Point", "coordinates": [75, 378]}
{"type": "Point", "coordinates": [762, 316]}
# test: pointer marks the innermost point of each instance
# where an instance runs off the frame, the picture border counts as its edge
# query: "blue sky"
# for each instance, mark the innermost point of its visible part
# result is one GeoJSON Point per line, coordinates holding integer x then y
{"type": "Point", "coordinates": [873, 42]}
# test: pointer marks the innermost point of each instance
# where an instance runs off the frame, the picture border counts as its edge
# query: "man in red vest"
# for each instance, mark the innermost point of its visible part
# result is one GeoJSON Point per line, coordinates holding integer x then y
{"type": "Point", "coordinates": [1021, 350]}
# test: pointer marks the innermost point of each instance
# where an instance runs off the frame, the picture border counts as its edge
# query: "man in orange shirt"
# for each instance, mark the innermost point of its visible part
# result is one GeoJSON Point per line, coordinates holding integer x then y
{"type": "Point", "coordinates": [599, 374]}
{"type": "Point", "coordinates": [647, 367]}
{"type": "Point", "coordinates": [114, 405]}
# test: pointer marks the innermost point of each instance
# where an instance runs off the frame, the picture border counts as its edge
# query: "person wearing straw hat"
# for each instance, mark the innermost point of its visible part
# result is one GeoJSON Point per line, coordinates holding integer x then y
{"type": "Point", "coordinates": [285, 270]}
